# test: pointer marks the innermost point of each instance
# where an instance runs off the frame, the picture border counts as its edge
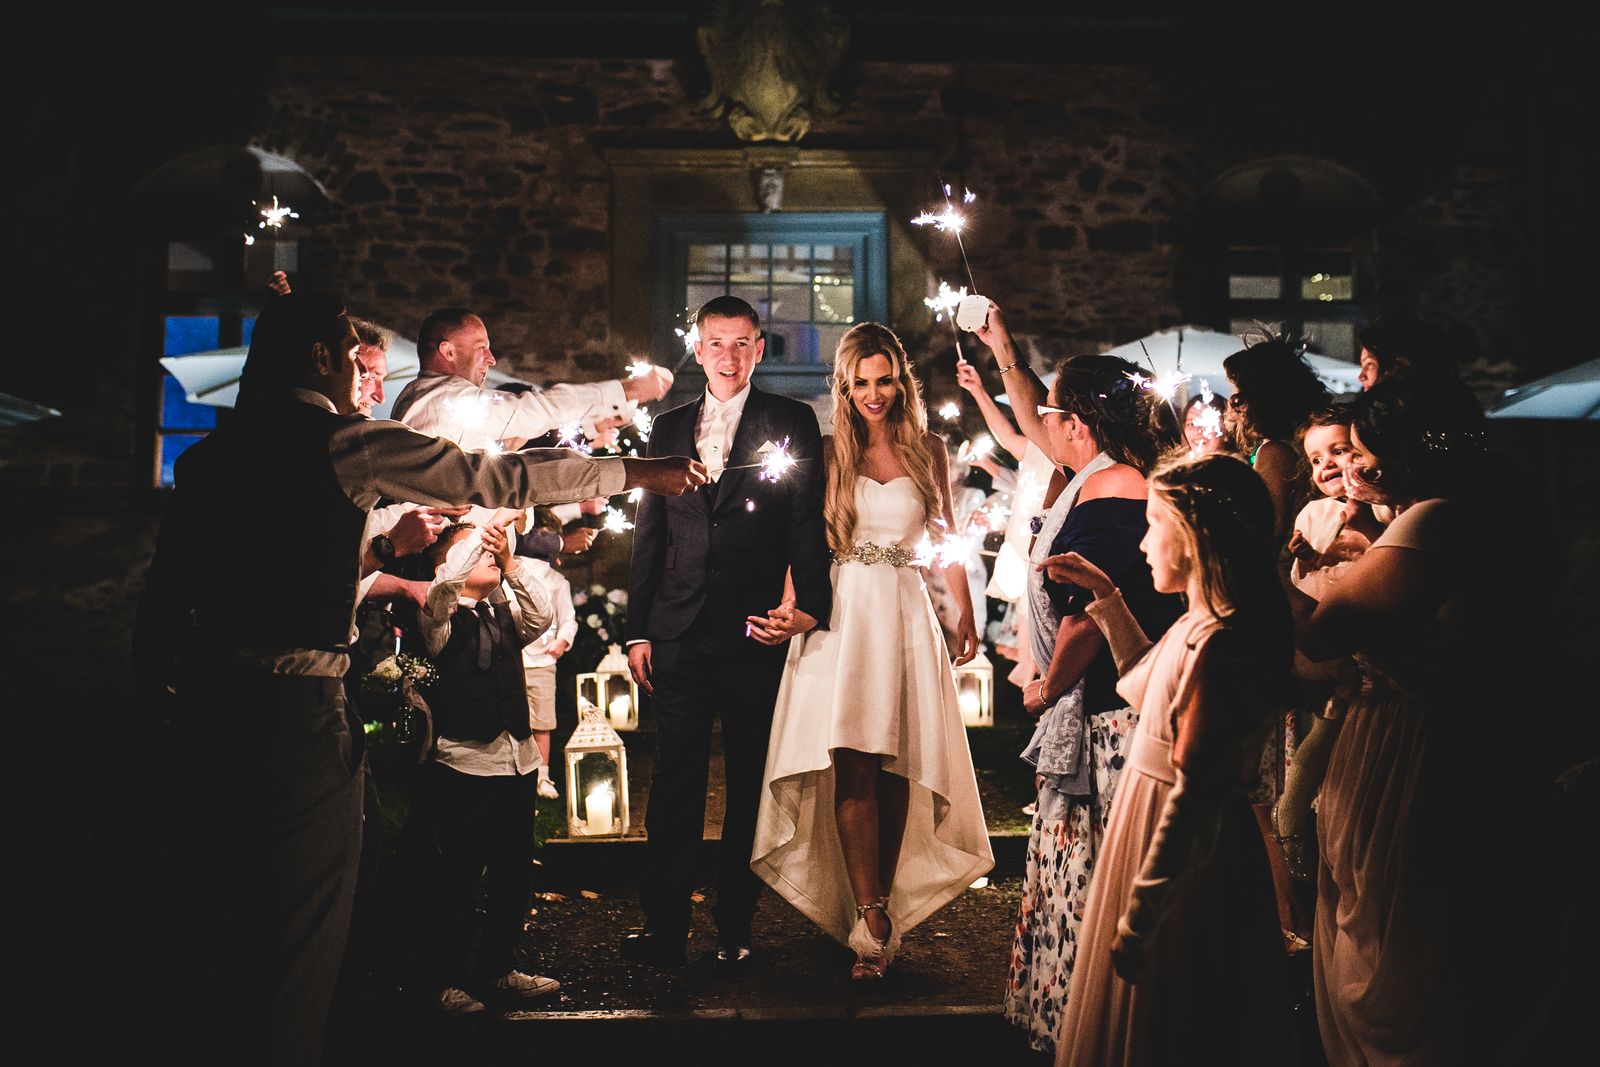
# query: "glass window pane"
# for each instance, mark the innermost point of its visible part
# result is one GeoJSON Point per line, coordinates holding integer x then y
{"type": "Point", "coordinates": [1251, 329]}
{"type": "Point", "coordinates": [1254, 287]}
{"type": "Point", "coordinates": [779, 343]}
{"type": "Point", "coordinates": [706, 261]}
{"type": "Point", "coordinates": [171, 446]}
{"type": "Point", "coordinates": [177, 413]}
{"type": "Point", "coordinates": [286, 256]}
{"type": "Point", "coordinates": [834, 303]}
{"type": "Point", "coordinates": [755, 296]}
{"type": "Point", "coordinates": [698, 294]}
{"type": "Point", "coordinates": [1326, 288]}
{"type": "Point", "coordinates": [828, 341]}
{"type": "Point", "coordinates": [748, 264]}
{"type": "Point", "coordinates": [186, 334]}
{"type": "Point", "coordinates": [1336, 339]}
{"type": "Point", "coordinates": [791, 263]}
{"type": "Point", "coordinates": [791, 303]}
{"type": "Point", "coordinates": [802, 344]}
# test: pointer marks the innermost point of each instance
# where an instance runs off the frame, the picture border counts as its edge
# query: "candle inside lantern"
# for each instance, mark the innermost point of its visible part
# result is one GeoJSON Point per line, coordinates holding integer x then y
{"type": "Point", "coordinates": [597, 808]}
{"type": "Point", "coordinates": [971, 706]}
{"type": "Point", "coordinates": [620, 707]}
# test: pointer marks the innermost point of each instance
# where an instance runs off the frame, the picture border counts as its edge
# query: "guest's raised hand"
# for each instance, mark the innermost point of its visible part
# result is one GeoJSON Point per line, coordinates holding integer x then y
{"type": "Point", "coordinates": [993, 333]}
{"type": "Point", "coordinates": [498, 545]}
{"type": "Point", "coordinates": [968, 378]}
{"type": "Point", "coordinates": [578, 540]}
{"type": "Point", "coordinates": [420, 527]}
{"type": "Point", "coordinates": [667, 476]}
{"type": "Point", "coordinates": [652, 385]}
{"type": "Point", "coordinates": [1069, 568]}
{"type": "Point", "coordinates": [279, 283]}
{"type": "Point", "coordinates": [779, 624]}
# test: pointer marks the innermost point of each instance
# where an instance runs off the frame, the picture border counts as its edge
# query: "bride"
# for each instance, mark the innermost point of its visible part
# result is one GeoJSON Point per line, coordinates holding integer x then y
{"type": "Point", "coordinates": [870, 819]}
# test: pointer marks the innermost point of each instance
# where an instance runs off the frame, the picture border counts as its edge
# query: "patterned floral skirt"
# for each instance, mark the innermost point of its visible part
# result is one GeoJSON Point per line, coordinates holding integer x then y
{"type": "Point", "coordinates": [1061, 853]}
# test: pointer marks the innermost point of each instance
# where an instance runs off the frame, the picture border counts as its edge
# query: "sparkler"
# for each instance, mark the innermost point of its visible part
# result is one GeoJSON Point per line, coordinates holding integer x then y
{"type": "Point", "coordinates": [975, 449]}
{"type": "Point", "coordinates": [639, 367]}
{"type": "Point", "coordinates": [775, 461]}
{"type": "Point", "coordinates": [571, 436]}
{"type": "Point", "coordinates": [275, 216]}
{"type": "Point", "coordinates": [943, 304]}
{"type": "Point", "coordinates": [616, 520]}
{"type": "Point", "coordinates": [643, 423]}
{"type": "Point", "coordinates": [690, 337]}
{"type": "Point", "coordinates": [951, 221]}
{"type": "Point", "coordinates": [950, 411]}
{"type": "Point", "coordinates": [468, 411]}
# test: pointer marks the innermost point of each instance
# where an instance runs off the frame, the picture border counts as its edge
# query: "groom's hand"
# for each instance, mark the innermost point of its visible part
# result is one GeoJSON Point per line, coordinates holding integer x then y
{"type": "Point", "coordinates": [639, 665]}
{"type": "Point", "coordinates": [779, 624]}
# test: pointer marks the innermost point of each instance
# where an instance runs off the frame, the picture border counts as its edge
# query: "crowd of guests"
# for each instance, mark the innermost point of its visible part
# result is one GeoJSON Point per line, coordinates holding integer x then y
{"type": "Point", "coordinates": [1272, 693]}
{"type": "Point", "coordinates": [1270, 684]}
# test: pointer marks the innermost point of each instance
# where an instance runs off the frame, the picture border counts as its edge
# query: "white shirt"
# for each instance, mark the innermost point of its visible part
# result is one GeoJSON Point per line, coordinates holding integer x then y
{"type": "Point", "coordinates": [719, 421]}
{"type": "Point", "coordinates": [475, 418]}
{"type": "Point", "coordinates": [564, 624]}
{"type": "Point", "coordinates": [530, 606]}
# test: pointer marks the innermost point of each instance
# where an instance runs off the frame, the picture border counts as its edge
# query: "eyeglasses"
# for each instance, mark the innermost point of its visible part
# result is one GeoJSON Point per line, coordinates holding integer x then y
{"type": "Point", "coordinates": [1045, 409]}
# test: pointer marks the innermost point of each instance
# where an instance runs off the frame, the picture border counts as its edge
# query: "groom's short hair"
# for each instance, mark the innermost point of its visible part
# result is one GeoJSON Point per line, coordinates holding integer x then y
{"type": "Point", "coordinates": [728, 307]}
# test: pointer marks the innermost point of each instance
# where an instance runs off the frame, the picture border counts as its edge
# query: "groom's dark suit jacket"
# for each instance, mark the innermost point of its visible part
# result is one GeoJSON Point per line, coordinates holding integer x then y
{"type": "Point", "coordinates": [723, 549]}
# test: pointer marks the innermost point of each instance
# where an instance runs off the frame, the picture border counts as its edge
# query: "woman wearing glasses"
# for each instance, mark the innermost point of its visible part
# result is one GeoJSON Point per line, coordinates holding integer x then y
{"type": "Point", "coordinates": [1100, 426]}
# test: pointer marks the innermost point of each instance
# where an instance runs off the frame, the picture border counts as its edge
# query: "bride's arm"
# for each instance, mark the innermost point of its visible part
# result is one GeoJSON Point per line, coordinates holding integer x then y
{"type": "Point", "coordinates": [955, 574]}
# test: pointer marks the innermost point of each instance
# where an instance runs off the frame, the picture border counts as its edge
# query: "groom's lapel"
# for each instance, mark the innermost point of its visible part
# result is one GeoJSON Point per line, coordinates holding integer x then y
{"type": "Point", "coordinates": [749, 437]}
{"type": "Point", "coordinates": [685, 446]}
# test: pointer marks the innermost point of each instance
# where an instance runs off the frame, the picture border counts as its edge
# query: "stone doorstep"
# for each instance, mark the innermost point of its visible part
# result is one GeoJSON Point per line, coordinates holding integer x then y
{"type": "Point", "coordinates": [815, 1013]}
{"type": "Point", "coordinates": [611, 862]}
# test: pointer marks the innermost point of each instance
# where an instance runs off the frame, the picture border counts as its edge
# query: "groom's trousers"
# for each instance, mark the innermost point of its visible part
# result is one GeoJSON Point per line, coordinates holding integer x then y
{"type": "Point", "coordinates": [712, 671]}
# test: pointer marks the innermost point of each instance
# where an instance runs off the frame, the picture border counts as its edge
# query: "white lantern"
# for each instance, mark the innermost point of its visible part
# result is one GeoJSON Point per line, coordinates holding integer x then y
{"type": "Point", "coordinates": [597, 777]}
{"type": "Point", "coordinates": [975, 691]}
{"type": "Point", "coordinates": [610, 687]}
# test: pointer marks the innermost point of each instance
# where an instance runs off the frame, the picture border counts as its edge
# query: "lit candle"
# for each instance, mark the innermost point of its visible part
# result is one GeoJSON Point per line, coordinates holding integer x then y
{"type": "Point", "coordinates": [597, 810]}
{"type": "Point", "coordinates": [620, 707]}
{"type": "Point", "coordinates": [971, 706]}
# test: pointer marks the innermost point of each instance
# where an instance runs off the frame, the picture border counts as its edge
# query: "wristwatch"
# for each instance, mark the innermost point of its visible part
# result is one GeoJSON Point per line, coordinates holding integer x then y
{"type": "Point", "coordinates": [383, 548]}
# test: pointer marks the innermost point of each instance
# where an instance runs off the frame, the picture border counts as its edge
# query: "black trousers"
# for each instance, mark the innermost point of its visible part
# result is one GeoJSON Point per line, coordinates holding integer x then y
{"type": "Point", "coordinates": [461, 825]}
{"type": "Point", "coordinates": [712, 670]}
{"type": "Point", "coordinates": [269, 853]}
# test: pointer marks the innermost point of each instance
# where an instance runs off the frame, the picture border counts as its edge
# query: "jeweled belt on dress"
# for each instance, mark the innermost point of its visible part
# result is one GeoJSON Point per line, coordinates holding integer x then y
{"type": "Point", "coordinates": [867, 552]}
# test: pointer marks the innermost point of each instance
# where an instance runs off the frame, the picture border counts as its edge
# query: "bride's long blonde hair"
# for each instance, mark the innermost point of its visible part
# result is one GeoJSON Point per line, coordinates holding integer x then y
{"type": "Point", "coordinates": [908, 428]}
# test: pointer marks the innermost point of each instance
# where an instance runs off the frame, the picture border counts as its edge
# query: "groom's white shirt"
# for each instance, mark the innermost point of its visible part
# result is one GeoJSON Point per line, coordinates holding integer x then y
{"type": "Point", "coordinates": [713, 439]}
{"type": "Point", "coordinates": [719, 421]}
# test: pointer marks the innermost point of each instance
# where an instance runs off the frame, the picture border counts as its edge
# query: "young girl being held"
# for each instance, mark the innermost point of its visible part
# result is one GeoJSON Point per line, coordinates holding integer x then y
{"type": "Point", "coordinates": [1333, 530]}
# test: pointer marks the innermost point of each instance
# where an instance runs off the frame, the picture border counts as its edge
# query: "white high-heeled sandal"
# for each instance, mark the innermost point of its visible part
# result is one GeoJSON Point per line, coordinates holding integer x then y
{"type": "Point", "coordinates": [872, 955]}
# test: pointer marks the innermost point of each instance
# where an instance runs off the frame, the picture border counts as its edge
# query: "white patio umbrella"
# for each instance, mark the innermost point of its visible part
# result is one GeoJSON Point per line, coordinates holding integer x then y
{"type": "Point", "coordinates": [1202, 352]}
{"type": "Point", "coordinates": [1570, 394]}
{"type": "Point", "coordinates": [213, 377]}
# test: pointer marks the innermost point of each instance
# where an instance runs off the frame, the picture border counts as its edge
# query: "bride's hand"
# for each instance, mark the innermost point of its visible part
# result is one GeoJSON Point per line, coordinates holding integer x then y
{"type": "Point", "coordinates": [966, 640]}
{"type": "Point", "coordinates": [779, 624]}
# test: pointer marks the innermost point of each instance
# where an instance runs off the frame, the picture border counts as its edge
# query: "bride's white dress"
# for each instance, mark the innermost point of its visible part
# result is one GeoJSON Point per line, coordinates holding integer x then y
{"type": "Point", "coordinates": [877, 680]}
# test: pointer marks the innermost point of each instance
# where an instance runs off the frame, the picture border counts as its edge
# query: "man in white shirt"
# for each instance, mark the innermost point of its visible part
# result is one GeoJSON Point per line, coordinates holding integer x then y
{"type": "Point", "coordinates": [447, 399]}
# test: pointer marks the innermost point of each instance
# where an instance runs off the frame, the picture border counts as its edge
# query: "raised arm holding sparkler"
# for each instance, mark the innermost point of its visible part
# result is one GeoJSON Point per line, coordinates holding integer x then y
{"type": "Point", "coordinates": [1023, 386]}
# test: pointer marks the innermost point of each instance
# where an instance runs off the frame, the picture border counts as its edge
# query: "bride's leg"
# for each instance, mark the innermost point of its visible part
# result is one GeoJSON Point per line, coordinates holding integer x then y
{"type": "Point", "coordinates": [894, 796]}
{"type": "Point", "coordinates": [855, 810]}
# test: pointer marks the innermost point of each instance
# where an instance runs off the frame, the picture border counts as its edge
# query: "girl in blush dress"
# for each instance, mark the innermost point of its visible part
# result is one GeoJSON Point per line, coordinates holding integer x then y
{"type": "Point", "coordinates": [1179, 954]}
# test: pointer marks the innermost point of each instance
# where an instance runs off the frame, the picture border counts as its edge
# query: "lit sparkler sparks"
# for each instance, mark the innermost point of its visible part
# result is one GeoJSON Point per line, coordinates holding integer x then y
{"type": "Point", "coordinates": [635, 495]}
{"type": "Point", "coordinates": [275, 216]}
{"type": "Point", "coordinates": [950, 411]}
{"type": "Point", "coordinates": [643, 423]}
{"type": "Point", "coordinates": [946, 552]}
{"type": "Point", "coordinates": [975, 449]}
{"type": "Point", "coordinates": [945, 301]}
{"type": "Point", "coordinates": [775, 460]}
{"type": "Point", "coordinates": [1210, 421]}
{"type": "Point", "coordinates": [947, 221]}
{"type": "Point", "coordinates": [571, 436]}
{"type": "Point", "coordinates": [616, 520]}
{"type": "Point", "coordinates": [639, 368]}
{"type": "Point", "coordinates": [467, 412]}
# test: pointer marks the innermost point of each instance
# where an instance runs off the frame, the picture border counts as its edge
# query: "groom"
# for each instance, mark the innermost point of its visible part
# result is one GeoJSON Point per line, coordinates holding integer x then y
{"type": "Point", "coordinates": [707, 601]}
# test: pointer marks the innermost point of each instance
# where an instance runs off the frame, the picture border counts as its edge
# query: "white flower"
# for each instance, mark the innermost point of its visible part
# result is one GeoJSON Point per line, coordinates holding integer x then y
{"type": "Point", "coordinates": [594, 623]}
{"type": "Point", "coordinates": [618, 596]}
{"type": "Point", "coordinates": [387, 670]}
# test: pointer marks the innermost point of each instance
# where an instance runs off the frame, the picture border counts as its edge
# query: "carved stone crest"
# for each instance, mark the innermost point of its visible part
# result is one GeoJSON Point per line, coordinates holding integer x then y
{"type": "Point", "coordinates": [771, 64]}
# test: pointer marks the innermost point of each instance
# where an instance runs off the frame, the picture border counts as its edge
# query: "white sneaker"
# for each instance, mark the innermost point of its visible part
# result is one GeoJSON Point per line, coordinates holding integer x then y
{"type": "Point", "coordinates": [547, 789]}
{"type": "Point", "coordinates": [528, 985]}
{"type": "Point", "coordinates": [455, 1001]}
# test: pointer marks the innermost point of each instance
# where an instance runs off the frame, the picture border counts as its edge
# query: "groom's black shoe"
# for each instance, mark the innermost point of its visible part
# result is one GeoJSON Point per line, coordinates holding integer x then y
{"type": "Point", "coordinates": [646, 946]}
